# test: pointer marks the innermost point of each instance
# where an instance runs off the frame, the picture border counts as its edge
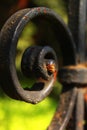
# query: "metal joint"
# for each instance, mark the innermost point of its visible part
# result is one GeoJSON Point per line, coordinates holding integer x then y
{"type": "Point", "coordinates": [76, 75]}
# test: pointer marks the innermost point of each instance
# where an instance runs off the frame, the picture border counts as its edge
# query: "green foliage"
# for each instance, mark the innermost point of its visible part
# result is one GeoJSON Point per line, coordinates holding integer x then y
{"type": "Point", "coordinates": [16, 115]}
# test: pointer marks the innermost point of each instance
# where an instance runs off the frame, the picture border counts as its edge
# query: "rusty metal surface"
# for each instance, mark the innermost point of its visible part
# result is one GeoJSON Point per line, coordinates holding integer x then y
{"type": "Point", "coordinates": [77, 10]}
{"type": "Point", "coordinates": [9, 36]}
{"type": "Point", "coordinates": [71, 113]}
{"type": "Point", "coordinates": [64, 110]}
{"type": "Point", "coordinates": [78, 119]}
{"type": "Point", "coordinates": [80, 111]}
{"type": "Point", "coordinates": [38, 61]}
{"type": "Point", "coordinates": [74, 74]}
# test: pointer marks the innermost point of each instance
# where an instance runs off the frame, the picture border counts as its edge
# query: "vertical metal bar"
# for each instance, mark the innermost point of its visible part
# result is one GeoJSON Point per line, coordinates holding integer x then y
{"type": "Point", "coordinates": [71, 123]}
{"type": "Point", "coordinates": [80, 111]}
{"type": "Point", "coordinates": [64, 110]}
{"type": "Point", "coordinates": [77, 25]}
{"type": "Point", "coordinates": [86, 30]}
{"type": "Point", "coordinates": [82, 30]}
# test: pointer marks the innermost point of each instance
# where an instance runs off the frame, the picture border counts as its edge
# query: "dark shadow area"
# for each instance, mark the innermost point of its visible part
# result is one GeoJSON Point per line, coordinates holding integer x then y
{"type": "Point", "coordinates": [36, 87]}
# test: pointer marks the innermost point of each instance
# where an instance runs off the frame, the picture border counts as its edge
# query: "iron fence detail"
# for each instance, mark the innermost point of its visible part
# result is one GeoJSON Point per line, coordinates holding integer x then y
{"type": "Point", "coordinates": [42, 61]}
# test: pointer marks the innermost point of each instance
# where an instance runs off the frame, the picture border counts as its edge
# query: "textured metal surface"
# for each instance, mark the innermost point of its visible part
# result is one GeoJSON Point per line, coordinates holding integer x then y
{"type": "Point", "coordinates": [74, 74]}
{"type": "Point", "coordinates": [80, 111]}
{"type": "Point", "coordinates": [64, 110]}
{"type": "Point", "coordinates": [9, 36]}
{"type": "Point", "coordinates": [77, 24]}
{"type": "Point", "coordinates": [72, 109]}
{"type": "Point", "coordinates": [71, 76]}
{"type": "Point", "coordinates": [71, 113]}
{"type": "Point", "coordinates": [35, 61]}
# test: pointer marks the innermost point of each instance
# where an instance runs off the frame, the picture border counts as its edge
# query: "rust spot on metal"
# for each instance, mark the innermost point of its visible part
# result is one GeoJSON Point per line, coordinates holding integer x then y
{"type": "Point", "coordinates": [51, 68]}
{"type": "Point", "coordinates": [85, 97]}
{"type": "Point", "coordinates": [58, 115]}
{"type": "Point", "coordinates": [76, 74]}
{"type": "Point", "coordinates": [80, 124]}
{"type": "Point", "coordinates": [77, 66]}
{"type": "Point", "coordinates": [55, 74]}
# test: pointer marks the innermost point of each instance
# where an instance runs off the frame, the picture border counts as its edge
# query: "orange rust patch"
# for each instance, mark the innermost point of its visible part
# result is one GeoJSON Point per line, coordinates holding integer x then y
{"type": "Point", "coordinates": [51, 67]}
{"type": "Point", "coordinates": [85, 97]}
{"type": "Point", "coordinates": [84, 65]}
{"type": "Point", "coordinates": [55, 75]}
{"type": "Point", "coordinates": [80, 124]}
{"type": "Point", "coordinates": [58, 115]}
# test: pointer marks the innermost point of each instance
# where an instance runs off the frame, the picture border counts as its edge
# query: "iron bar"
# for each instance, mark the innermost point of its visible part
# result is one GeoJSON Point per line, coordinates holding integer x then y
{"type": "Point", "coordinates": [64, 110]}
{"type": "Point", "coordinates": [77, 25]}
{"type": "Point", "coordinates": [80, 110]}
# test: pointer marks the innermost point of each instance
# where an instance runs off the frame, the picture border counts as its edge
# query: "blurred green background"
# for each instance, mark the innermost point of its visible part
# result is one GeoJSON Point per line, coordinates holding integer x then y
{"type": "Point", "coordinates": [16, 115]}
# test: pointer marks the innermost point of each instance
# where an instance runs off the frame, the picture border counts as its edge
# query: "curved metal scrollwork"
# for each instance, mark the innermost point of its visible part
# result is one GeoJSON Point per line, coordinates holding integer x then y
{"type": "Point", "coordinates": [40, 61]}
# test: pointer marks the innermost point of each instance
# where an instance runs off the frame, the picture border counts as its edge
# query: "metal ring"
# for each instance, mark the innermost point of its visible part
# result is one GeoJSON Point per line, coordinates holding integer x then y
{"type": "Point", "coordinates": [8, 41]}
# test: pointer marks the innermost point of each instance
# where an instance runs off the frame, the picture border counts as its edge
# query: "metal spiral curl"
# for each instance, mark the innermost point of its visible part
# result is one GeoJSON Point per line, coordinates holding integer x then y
{"type": "Point", "coordinates": [42, 63]}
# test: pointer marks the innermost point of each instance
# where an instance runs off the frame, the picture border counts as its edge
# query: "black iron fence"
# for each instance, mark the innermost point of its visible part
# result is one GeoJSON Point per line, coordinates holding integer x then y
{"type": "Point", "coordinates": [43, 62]}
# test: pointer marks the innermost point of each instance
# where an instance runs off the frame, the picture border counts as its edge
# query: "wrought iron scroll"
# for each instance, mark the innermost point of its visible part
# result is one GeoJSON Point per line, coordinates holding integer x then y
{"type": "Point", "coordinates": [42, 62]}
